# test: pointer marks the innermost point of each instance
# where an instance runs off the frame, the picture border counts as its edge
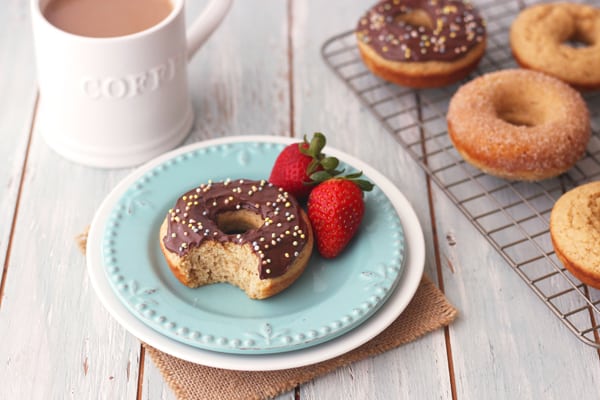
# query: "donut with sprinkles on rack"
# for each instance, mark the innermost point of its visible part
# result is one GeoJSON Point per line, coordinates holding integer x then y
{"type": "Point", "coordinates": [421, 43]}
{"type": "Point", "coordinates": [248, 233]}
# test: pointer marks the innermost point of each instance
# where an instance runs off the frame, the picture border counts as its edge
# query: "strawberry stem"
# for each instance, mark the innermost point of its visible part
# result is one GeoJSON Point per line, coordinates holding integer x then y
{"type": "Point", "coordinates": [322, 167]}
{"type": "Point", "coordinates": [364, 184]}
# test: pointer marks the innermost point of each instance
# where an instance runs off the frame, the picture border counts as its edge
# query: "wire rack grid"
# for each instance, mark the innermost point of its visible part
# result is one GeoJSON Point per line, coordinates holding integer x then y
{"type": "Point", "coordinates": [513, 216]}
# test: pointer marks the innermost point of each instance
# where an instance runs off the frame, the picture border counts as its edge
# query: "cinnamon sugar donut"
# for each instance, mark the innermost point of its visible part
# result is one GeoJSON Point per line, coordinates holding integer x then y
{"type": "Point", "coordinates": [575, 232]}
{"type": "Point", "coordinates": [421, 43]}
{"type": "Point", "coordinates": [250, 234]}
{"type": "Point", "coordinates": [539, 40]}
{"type": "Point", "coordinates": [519, 124]}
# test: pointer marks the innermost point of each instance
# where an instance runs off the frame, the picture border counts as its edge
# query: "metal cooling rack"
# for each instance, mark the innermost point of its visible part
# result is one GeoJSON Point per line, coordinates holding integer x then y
{"type": "Point", "coordinates": [513, 216]}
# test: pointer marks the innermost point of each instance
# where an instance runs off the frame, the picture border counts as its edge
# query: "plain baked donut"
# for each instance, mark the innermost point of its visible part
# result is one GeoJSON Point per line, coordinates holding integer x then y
{"type": "Point", "coordinates": [575, 232]}
{"type": "Point", "coordinates": [248, 233]}
{"type": "Point", "coordinates": [519, 124]}
{"type": "Point", "coordinates": [420, 43]}
{"type": "Point", "coordinates": [539, 40]}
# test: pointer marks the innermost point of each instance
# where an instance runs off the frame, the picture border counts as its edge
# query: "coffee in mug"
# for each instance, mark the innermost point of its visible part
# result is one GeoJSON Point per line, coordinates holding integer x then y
{"type": "Point", "coordinates": [106, 18]}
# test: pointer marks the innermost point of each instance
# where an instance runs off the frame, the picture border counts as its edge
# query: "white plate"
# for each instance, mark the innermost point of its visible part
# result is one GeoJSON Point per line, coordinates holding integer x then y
{"type": "Point", "coordinates": [397, 302]}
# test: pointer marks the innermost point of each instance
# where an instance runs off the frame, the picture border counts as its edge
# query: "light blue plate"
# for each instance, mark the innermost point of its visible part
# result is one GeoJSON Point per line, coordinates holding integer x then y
{"type": "Point", "coordinates": [329, 299]}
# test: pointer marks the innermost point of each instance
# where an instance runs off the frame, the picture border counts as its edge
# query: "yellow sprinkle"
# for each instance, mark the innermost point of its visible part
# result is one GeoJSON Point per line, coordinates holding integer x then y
{"type": "Point", "coordinates": [449, 9]}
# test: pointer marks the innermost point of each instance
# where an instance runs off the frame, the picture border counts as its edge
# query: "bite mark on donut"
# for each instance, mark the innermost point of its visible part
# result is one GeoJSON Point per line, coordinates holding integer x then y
{"type": "Point", "coordinates": [248, 233]}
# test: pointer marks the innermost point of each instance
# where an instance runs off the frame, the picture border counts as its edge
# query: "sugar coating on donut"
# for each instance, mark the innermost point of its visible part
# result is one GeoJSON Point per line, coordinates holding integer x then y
{"type": "Point", "coordinates": [519, 124]}
{"type": "Point", "coordinates": [248, 233]}
{"type": "Point", "coordinates": [540, 36]}
{"type": "Point", "coordinates": [575, 232]}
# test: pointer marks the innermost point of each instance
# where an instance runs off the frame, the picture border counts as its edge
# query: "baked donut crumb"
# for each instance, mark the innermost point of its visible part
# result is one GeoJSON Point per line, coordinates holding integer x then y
{"type": "Point", "coordinates": [575, 232]}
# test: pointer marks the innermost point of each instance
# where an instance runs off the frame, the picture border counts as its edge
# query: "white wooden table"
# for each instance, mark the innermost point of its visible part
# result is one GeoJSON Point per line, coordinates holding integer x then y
{"type": "Point", "coordinates": [261, 73]}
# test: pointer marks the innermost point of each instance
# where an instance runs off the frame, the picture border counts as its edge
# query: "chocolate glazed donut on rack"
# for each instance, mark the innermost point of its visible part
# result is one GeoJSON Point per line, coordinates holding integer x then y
{"type": "Point", "coordinates": [421, 43]}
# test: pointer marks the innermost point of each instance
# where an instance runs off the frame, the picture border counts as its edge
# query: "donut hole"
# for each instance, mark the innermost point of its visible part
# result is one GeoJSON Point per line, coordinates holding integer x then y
{"type": "Point", "coordinates": [521, 110]}
{"type": "Point", "coordinates": [576, 43]}
{"type": "Point", "coordinates": [238, 222]}
{"type": "Point", "coordinates": [516, 117]}
{"type": "Point", "coordinates": [580, 34]}
{"type": "Point", "coordinates": [416, 18]}
{"type": "Point", "coordinates": [579, 39]}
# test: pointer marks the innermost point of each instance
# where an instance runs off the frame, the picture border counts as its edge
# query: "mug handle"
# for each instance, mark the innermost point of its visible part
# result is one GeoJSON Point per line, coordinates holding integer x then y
{"type": "Point", "coordinates": [205, 24]}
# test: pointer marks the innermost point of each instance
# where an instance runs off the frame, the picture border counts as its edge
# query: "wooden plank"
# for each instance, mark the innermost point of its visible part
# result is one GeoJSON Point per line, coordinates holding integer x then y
{"type": "Point", "coordinates": [55, 330]}
{"type": "Point", "coordinates": [506, 343]}
{"type": "Point", "coordinates": [239, 79]}
{"type": "Point", "coordinates": [322, 103]}
{"type": "Point", "coordinates": [56, 335]}
{"type": "Point", "coordinates": [153, 384]}
{"type": "Point", "coordinates": [239, 86]}
{"type": "Point", "coordinates": [17, 104]}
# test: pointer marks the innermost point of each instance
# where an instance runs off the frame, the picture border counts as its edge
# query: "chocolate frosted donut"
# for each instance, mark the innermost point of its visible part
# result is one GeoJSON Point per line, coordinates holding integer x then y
{"type": "Point", "coordinates": [519, 124]}
{"type": "Point", "coordinates": [247, 233]}
{"type": "Point", "coordinates": [420, 43]}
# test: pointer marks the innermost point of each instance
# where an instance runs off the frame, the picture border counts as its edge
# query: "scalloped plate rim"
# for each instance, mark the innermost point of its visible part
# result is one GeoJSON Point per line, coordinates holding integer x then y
{"type": "Point", "coordinates": [414, 262]}
{"type": "Point", "coordinates": [301, 317]}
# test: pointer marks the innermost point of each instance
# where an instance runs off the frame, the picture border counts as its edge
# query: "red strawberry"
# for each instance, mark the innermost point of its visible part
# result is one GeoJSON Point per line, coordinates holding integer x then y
{"type": "Point", "coordinates": [335, 210]}
{"type": "Point", "coordinates": [296, 162]}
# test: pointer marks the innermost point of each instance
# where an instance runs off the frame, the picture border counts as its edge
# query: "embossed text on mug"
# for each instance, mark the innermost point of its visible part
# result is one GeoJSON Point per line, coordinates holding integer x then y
{"type": "Point", "coordinates": [106, 18]}
{"type": "Point", "coordinates": [133, 84]}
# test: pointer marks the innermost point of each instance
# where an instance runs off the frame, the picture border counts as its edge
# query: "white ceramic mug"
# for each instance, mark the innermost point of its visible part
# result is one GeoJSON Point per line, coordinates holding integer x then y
{"type": "Point", "coordinates": [118, 101]}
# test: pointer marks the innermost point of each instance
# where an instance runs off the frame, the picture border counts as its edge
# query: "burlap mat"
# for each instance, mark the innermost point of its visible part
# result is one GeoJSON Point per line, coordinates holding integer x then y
{"type": "Point", "coordinates": [428, 310]}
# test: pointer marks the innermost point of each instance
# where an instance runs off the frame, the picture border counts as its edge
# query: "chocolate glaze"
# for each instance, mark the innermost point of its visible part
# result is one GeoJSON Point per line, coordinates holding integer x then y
{"type": "Point", "coordinates": [457, 28]}
{"type": "Point", "coordinates": [277, 242]}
